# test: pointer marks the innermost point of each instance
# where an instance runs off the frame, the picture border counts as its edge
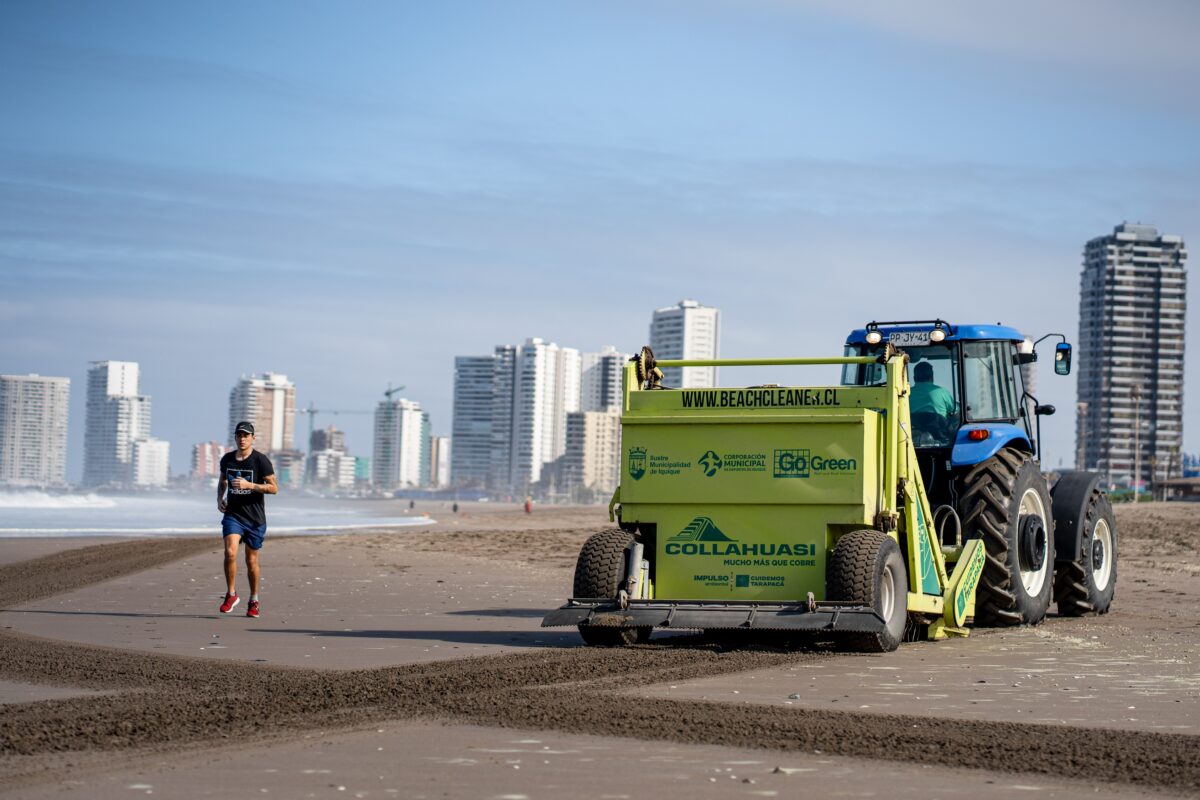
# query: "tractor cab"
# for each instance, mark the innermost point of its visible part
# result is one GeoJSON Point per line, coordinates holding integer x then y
{"type": "Point", "coordinates": [967, 397]}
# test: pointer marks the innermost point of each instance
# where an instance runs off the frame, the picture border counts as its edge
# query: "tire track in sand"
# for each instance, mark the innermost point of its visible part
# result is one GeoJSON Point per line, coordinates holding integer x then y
{"type": "Point", "coordinates": [181, 702]}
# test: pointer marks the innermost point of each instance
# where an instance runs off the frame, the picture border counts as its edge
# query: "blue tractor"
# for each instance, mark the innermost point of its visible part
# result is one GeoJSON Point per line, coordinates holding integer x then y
{"type": "Point", "coordinates": [977, 434]}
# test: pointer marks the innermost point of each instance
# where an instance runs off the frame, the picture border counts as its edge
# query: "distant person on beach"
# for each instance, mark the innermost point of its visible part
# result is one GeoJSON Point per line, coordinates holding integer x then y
{"type": "Point", "coordinates": [528, 505]}
{"type": "Point", "coordinates": [246, 477]}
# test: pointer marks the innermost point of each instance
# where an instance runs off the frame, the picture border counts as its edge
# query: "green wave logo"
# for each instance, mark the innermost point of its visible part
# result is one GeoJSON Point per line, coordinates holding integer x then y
{"type": "Point", "coordinates": [701, 529]}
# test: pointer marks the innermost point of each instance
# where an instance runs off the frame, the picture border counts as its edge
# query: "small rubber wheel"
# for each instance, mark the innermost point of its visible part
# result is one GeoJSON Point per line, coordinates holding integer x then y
{"type": "Point", "coordinates": [1087, 584]}
{"type": "Point", "coordinates": [867, 567]}
{"type": "Point", "coordinates": [598, 574]}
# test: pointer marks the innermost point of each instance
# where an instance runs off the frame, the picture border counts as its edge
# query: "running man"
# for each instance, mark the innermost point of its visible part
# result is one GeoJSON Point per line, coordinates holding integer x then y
{"type": "Point", "coordinates": [246, 476]}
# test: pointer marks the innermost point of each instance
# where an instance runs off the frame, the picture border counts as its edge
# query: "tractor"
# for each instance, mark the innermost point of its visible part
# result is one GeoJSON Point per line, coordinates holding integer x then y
{"type": "Point", "coordinates": [978, 452]}
{"type": "Point", "coordinates": [903, 502]}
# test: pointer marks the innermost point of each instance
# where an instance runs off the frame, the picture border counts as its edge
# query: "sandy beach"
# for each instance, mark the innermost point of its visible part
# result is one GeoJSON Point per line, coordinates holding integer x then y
{"type": "Point", "coordinates": [410, 663]}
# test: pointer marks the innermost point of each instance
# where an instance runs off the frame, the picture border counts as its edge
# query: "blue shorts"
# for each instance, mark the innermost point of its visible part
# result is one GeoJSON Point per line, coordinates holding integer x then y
{"type": "Point", "coordinates": [252, 535]}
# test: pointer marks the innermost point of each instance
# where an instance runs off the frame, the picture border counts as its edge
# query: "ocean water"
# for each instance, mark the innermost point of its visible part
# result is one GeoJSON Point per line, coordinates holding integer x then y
{"type": "Point", "coordinates": [25, 514]}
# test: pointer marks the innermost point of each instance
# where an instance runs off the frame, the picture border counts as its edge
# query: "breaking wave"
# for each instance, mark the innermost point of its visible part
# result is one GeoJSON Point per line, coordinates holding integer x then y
{"type": "Point", "coordinates": [54, 501]}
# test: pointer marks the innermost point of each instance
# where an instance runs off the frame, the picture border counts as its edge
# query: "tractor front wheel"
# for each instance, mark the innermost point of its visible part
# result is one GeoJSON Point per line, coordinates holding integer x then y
{"type": "Point", "coordinates": [598, 574]}
{"type": "Point", "coordinates": [867, 567]}
{"type": "Point", "coordinates": [1086, 585]}
{"type": "Point", "coordinates": [1006, 504]}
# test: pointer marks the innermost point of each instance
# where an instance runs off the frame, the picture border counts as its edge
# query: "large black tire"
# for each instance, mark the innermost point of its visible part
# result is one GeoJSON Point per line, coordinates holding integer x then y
{"type": "Point", "coordinates": [867, 567]}
{"type": "Point", "coordinates": [1087, 584]}
{"type": "Point", "coordinates": [1004, 502]}
{"type": "Point", "coordinates": [598, 574]}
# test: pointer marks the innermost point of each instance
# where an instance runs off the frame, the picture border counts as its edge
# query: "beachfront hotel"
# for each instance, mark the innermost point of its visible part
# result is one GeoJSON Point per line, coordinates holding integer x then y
{"type": "Point", "coordinates": [33, 430]}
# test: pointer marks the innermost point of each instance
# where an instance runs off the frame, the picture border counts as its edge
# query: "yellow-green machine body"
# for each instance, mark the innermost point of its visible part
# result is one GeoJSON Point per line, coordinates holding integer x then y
{"type": "Point", "coordinates": [739, 496]}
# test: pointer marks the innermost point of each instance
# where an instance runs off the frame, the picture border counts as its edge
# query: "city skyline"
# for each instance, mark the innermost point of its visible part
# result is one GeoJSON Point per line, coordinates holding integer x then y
{"type": "Point", "coordinates": [352, 199]}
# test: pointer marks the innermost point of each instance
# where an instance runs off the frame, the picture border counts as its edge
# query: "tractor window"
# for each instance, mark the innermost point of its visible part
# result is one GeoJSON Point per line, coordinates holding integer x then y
{"type": "Point", "coordinates": [933, 394]}
{"type": "Point", "coordinates": [862, 374]}
{"type": "Point", "coordinates": [933, 378]}
{"type": "Point", "coordinates": [987, 376]}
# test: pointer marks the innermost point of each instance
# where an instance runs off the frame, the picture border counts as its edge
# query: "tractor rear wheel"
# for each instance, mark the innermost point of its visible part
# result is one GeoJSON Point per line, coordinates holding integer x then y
{"type": "Point", "coordinates": [867, 567]}
{"type": "Point", "coordinates": [1086, 585]}
{"type": "Point", "coordinates": [1004, 502]}
{"type": "Point", "coordinates": [598, 574]}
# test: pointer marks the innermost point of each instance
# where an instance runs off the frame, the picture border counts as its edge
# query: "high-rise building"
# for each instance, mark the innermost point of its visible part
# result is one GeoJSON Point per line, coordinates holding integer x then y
{"type": "Point", "coordinates": [593, 457]}
{"type": "Point", "coordinates": [602, 375]}
{"type": "Point", "coordinates": [1132, 307]}
{"type": "Point", "coordinates": [471, 428]}
{"type": "Point", "coordinates": [401, 455]}
{"type": "Point", "coordinates": [117, 416]}
{"type": "Point", "coordinates": [510, 414]}
{"type": "Point", "coordinates": [327, 439]}
{"type": "Point", "coordinates": [151, 462]}
{"type": "Point", "coordinates": [439, 461]}
{"type": "Point", "coordinates": [686, 330]}
{"type": "Point", "coordinates": [332, 468]}
{"type": "Point", "coordinates": [547, 379]}
{"type": "Point", "coordinates": [503, 400]}
{"type": "Point", "coordinates": [33, 430]}
{"type": "Point", "coordinates": [269, 402]}
{"type": "Point", "coordinates": [206, 460]}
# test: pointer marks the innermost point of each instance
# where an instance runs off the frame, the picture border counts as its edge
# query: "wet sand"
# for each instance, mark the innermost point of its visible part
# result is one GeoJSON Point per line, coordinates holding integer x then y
{"type": "Point", "coordinates": [426, 643]}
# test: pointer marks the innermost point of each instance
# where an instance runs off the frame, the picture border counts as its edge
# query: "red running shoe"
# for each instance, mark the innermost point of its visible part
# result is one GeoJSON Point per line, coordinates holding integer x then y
{"type": "Point", "coordinates": [231, 600]}
{"type": "Point", "coordinates": [252, 609]}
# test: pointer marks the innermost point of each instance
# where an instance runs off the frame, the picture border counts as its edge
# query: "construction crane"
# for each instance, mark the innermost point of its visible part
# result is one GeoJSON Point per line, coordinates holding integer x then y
{"type": "Point", "coordinates": [312, 411]}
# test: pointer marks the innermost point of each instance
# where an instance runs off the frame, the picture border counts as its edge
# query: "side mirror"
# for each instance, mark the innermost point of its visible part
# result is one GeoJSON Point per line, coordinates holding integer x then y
{"type": "Point", "coordinates": [1046, 410]}
{"type": "Point", "coordinates": [1062, 358]}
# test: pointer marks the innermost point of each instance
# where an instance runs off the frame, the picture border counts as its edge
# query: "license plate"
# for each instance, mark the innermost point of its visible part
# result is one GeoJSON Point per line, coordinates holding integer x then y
{"type": "Point", "coordinates": [909, 338]}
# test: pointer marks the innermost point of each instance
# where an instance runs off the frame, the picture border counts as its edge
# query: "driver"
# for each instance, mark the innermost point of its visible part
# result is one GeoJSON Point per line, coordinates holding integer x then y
{"type": "Point", "coordinates": [926, 397]}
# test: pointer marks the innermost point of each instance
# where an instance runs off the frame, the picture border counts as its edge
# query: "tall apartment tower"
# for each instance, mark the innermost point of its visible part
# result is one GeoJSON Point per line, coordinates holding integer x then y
{"type": "Point", "coordinates": [33, 430]}
{"type": "Point", "coordinates": [117, 416]}
{"type": "Point", "coordinates": [471, 428]}
{"type": "Point", "coordinates": [510, 414]}
{"type": "Point", "coordinates": [269, 402]}
{"type": "Point", "coordinates": [401, 455]}
{"type": "Point", "coordinates": [600, 389]}
{"type": "Point", "coordinates": [687, 330]}
{"type": "Point", "coordinates": [547, 379]}
{"type": "Point", "coordinates": [1132, 306]}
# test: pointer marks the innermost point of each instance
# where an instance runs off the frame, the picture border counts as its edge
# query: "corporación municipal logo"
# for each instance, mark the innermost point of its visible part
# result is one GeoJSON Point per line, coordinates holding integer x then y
{"type": "Point", "coordinates": [710, 462]}
{"type": "Point", "coordinates": [637, 462]}
{"type": "Point", "coordinates": [792, 463]}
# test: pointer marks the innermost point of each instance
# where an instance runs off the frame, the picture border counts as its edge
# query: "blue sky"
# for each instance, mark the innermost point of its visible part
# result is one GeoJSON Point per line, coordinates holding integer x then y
{"type": "Point", "coordinates": [355, 193]}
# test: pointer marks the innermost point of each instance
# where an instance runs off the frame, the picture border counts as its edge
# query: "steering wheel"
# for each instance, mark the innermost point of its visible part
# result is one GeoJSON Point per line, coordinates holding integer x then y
{"type": "Point", "coordinates": [934, 426]}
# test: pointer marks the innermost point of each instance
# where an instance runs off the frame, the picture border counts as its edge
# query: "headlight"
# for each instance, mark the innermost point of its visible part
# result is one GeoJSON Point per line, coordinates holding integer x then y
{"type": "Point", "coordinates": [874, 337]}
{"type": "Point", "coordinates": [937, 335]}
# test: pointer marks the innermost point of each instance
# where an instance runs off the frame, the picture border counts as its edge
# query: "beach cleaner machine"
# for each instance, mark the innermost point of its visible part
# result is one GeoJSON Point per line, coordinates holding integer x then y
{"type": "Point", "coordinates": [773, 508]}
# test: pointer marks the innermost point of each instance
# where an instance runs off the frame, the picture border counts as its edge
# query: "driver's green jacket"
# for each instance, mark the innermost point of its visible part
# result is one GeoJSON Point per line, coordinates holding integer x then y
{"type": "Point", "coordinates": [929, 398]}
